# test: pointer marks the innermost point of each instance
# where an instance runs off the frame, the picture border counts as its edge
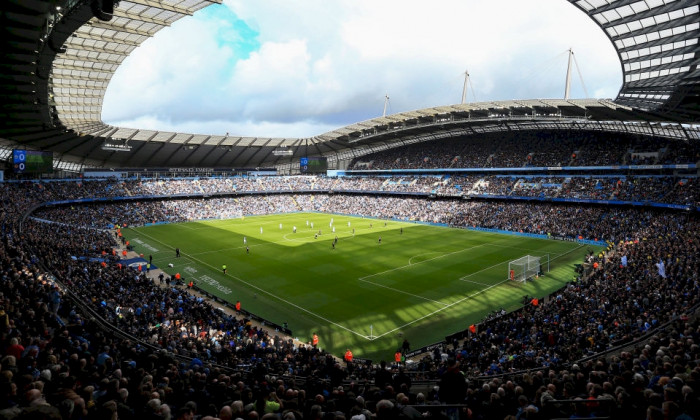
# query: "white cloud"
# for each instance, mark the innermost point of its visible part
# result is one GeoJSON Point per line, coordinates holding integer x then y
{"type": "Point", "coordinates": [321, 65]}
{"type": "Point", "coordinates": [272, 69]}
{"type": "Point", "coordinates": [172, 75]}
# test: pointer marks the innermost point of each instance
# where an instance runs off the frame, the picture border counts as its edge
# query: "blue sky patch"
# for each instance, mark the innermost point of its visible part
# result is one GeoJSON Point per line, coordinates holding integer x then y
{"type": "Point", "coordinates": [232, 32]}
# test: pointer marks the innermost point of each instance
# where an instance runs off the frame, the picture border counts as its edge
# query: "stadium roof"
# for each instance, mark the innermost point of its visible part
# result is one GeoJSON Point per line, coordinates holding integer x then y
{"type": "Point", "coordinates": [61, 55]}
{"type": "Point", "coordinates": [657, 42]}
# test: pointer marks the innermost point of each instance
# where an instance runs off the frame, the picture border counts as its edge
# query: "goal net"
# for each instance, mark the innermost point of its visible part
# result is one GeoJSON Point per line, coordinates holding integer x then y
{"type": "Point", "coordinates": [524, 268]}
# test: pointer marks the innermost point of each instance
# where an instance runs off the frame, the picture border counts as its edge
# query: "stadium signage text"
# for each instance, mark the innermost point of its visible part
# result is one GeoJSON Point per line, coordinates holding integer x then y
{"type": "Point", "coordinates": [425, 349]}
{"type": "Point", "coordinates": [145, 245]}
{"type": "Point", "coordinates": [190, 169]}
{"type": "Point", "coordinates": [215, 284]}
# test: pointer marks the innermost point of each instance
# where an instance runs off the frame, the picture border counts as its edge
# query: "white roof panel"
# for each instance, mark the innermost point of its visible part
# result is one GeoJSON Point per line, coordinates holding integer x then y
{"type": "Point", "coordinates": [81, 74]}
{"type": "Point", "coordinates": [95, 50]}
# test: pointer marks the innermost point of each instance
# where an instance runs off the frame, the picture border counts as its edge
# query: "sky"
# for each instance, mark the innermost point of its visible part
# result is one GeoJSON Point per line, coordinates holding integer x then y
{"type": "Point", "coordinates": [297, 69]}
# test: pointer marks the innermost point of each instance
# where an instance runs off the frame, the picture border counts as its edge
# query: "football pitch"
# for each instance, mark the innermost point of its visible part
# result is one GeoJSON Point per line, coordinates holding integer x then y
{"type": "Point", "coordinates": [420, 282]}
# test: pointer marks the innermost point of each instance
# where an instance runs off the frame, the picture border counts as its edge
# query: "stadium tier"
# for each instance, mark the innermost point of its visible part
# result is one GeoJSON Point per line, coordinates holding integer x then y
{"type": "Point", "coordinates": [390, 269]}
{"type": "Point", "coordinates": [74, 253]}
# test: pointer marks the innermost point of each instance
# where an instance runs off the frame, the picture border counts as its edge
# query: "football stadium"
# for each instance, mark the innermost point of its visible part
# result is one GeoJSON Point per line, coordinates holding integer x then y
{"type": "Point", "coordinates": [506, 259]}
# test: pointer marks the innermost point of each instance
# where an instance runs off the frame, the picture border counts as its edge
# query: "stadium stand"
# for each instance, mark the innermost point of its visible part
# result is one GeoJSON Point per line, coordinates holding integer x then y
{"type": "Point", "coordinates": [630, 303]}
{"type": "Point", "coordinates": [533, 149]}
{"type": "Point", "coordinates": [84, 337]}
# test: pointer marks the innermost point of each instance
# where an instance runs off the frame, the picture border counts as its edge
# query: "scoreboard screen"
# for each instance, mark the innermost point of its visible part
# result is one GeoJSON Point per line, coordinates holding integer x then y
{"type": "Point", "coordinates": [313, 165]}
{"type": "Point", "coordinates": [32, 161]}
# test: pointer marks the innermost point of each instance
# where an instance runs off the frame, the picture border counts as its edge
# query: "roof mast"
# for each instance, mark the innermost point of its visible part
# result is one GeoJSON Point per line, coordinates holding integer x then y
{"type": "Point", "coordinates": [567, 90]}
{"type": "Point", "coordinates": [464, 89]}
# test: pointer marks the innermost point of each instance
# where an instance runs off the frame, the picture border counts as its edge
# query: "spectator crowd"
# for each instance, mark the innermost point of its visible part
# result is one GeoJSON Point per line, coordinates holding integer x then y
{"type": "Point", "coordinates": [170, 354]}
{"type": "Point", "coordinates": [539, 148]}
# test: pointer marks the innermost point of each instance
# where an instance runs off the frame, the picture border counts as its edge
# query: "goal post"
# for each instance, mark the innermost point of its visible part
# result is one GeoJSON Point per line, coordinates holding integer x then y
{"type": "Point", "coordinates": [527, 267]}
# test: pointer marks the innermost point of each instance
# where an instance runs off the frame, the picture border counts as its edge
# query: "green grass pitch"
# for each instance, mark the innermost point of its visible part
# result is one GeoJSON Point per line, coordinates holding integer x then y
{"type": "Point", "coordinates": [420, 283]}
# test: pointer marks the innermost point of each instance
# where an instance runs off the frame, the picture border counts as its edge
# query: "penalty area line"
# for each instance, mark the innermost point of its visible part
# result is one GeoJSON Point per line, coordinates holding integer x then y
{"type": "Point", "coordinates": [465, 298]}
{"type": "Point", "coordinates": [421, 262]}
{"type": "Point", "coordinates": [405, 293]}
{"type": "Point", "coordinates": [439, 310]}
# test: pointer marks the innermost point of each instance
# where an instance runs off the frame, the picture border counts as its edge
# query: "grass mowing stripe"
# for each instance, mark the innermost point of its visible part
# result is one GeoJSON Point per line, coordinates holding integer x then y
{"type": "Point", "coordinates": [420, 262]}
{"type": "Point", "coordinates": [401, 291]}
{"type": "Point", "coordinates": [475, 282]}
{"type": "Point", "coordinates": [262, 290]}
{"type": "Point", "coordinates": [285, 237]}
{"type": "Point", "coordinates": [442, 309]}
{"type": "Point", "coordinates": [214, 251]}
{"type": "Point", "coordinates": [324, 282]}
{"type": "Point", "coordinates": [467, 297]}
